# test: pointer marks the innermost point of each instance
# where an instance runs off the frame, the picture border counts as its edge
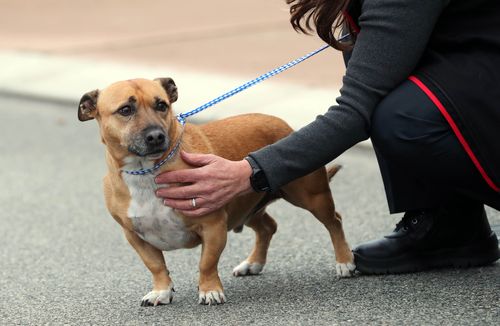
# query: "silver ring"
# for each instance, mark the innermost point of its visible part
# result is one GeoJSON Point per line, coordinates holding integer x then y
{"type": "Point", "coordinates": [193, 202]}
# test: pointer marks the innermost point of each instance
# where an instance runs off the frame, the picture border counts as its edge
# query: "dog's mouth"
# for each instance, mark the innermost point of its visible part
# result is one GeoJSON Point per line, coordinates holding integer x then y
{"type": "Point", "coordinates": [156, 155]}
{"type": "Point", "coordinates": [150, 153]}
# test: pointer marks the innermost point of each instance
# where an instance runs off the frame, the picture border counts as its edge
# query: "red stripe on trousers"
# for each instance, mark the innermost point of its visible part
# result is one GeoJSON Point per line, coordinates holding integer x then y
{"type": "Point", "coordinates": [455, 129]}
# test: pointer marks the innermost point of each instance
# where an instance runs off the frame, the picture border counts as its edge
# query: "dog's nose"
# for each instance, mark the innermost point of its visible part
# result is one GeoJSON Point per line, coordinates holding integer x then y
{"type": "Point", "coordinates": [155, 136]}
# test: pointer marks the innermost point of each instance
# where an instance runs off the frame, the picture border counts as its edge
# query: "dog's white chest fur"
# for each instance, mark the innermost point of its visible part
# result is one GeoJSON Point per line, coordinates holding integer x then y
{"type": "Point", "coordinates": [153, 222]}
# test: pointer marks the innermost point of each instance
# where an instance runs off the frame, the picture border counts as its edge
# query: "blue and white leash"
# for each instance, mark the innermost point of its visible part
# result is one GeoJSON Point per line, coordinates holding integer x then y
{"type": "Point", "coordinates": [181, 117]}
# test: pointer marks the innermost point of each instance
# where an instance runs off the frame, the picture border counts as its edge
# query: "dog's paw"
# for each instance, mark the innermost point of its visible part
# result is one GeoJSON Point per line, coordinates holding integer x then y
{"type": "Point", "coordinates": [155, 298]}
{"type": "Point", "coordinates": [211, 297]}
{"type": "Point", "coordinates": [345, 269]}
{"type": "Point", "coordinates": [247, 268]}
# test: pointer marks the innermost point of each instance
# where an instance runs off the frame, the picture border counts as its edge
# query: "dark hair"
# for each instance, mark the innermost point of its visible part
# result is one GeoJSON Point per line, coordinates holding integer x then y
{"type": "Point", "coordinates": [327, 16]}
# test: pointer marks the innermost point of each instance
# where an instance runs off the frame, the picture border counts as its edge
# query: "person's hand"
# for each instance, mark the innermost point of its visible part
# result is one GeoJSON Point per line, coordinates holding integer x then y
{"type": "Point", "coordinates": [212, 184]}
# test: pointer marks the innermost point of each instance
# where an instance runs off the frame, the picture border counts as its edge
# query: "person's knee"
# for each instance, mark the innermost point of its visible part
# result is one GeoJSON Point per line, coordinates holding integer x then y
{"type": "Point", "coordinates": [389, 130]}
{"type": "Point", "coordinates": [404, 123]}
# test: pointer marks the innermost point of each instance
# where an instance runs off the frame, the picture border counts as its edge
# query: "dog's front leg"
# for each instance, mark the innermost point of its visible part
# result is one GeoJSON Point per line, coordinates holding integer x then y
{"type": "Point", "coordinates": [213, 235]}
{"type": "Point", "coordinates": [152, 257]}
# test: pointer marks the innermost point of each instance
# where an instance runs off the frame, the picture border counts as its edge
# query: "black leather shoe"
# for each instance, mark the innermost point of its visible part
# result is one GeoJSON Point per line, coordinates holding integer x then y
{"type": "Point", "coordinates": [455, 235]}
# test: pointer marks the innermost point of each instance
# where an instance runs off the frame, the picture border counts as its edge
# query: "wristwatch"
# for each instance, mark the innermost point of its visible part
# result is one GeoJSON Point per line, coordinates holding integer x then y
{"type": "Point", "coordinates": [258, 179]}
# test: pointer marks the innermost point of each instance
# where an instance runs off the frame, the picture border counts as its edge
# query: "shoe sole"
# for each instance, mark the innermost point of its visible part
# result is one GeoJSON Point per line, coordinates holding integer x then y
{"type": "Point", "coordinates": [478, 254]}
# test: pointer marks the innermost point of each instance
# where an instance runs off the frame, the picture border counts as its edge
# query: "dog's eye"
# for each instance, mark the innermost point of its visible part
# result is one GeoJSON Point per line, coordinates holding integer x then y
{"type": "Point", "coordinates": [161, 106]}
{"type": "Point", "coordinates": [126, 111]}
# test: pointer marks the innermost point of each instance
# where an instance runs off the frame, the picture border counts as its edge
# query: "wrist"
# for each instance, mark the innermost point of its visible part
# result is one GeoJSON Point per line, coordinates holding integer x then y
{"type": "Point", "coordinates": [244, 173]}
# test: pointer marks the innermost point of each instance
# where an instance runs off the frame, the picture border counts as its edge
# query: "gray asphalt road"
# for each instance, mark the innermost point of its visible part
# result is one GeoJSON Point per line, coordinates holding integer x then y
{"type": "Point", "coordinates": [65, 261]}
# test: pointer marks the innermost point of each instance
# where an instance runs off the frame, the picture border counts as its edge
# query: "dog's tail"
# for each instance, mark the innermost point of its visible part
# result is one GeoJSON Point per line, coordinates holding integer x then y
{"type": "Point", "coordinates": [332, 170]}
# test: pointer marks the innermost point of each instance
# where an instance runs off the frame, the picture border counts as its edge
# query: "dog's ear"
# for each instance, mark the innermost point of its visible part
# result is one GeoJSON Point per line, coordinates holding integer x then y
{"type": "Point", "coordinates": [87, 109]}
{"type": "Point", "coordinates": [169, 86]}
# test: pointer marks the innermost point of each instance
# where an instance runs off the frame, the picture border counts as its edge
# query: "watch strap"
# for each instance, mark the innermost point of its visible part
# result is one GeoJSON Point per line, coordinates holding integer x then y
{"type": "Point", "coordinates": [258, 179]}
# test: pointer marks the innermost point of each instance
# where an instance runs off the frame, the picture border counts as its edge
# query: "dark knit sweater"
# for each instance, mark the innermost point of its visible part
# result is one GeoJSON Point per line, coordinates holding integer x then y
{"type": "Point", "coordinates": [394, 36]}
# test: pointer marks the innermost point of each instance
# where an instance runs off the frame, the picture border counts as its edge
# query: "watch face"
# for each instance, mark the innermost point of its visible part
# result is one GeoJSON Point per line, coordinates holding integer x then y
{"type": "Point", "coordinates": [259, 182]}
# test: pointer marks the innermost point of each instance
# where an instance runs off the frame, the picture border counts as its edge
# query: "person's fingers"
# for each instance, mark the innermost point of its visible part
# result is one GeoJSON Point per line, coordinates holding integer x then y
{"type": "Point", "coordinates": [197, 212]}
{"type": "Point", "coordinates": [179, 176]}
{"type": "Point", "coordinates": [197, 159]}
{"type": "Point", "coordinates": [185, 204]}
{"type": "Point", "coordinates": [187, 175]}
{"type": "Point", "coordinates": [186, 208]}
{"type": "Point", "coordinates": [181, 192]}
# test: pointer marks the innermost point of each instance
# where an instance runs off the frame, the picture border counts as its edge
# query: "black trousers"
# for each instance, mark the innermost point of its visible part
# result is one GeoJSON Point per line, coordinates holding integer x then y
{"type": "Point", "coordinates": [423, 164]}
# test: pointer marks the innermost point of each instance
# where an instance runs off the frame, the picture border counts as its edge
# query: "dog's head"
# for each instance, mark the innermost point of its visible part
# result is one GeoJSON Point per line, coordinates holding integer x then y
{"type": "Point", "coordinates": [134, 116]}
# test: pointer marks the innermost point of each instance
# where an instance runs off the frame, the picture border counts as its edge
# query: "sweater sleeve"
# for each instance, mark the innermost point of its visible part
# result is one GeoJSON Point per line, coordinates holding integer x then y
{"type": "Point", "coordinates": [393, 37]}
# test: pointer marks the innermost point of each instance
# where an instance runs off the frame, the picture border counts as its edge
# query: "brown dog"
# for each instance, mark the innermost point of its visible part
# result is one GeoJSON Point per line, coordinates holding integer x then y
{"type": "Point", "coordinates": [139, 130]}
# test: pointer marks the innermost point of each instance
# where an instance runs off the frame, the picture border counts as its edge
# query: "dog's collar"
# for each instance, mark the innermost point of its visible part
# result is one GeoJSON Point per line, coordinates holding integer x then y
{"type": "Point", "coordinates": [170, 155]}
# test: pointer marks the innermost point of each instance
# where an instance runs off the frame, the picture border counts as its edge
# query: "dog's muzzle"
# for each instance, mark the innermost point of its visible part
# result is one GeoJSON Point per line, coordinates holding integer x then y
{"type": "Point", "coordinates": [152, 140]}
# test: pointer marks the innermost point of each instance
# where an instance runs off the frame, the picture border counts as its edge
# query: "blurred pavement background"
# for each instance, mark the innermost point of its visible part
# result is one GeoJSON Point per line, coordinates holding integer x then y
{"type": "Point", "coordinates": [58, 50]}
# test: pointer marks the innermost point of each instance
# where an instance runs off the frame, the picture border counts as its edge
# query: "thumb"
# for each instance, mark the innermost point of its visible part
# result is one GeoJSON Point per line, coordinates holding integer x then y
{"type": "Point", "coordinates": [197, 159]}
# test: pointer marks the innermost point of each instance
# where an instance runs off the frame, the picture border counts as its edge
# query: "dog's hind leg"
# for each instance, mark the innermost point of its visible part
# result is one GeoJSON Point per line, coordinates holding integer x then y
{"type": "Point", "coordinates": [264, 227]}
{"type": "Point", "coordinates": [313, 193]}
